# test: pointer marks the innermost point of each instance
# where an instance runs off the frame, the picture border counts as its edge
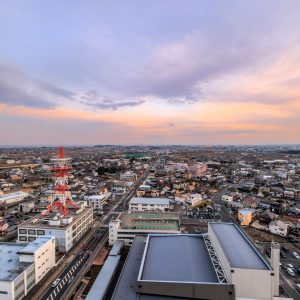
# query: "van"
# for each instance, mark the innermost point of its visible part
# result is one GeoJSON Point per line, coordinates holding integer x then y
{"type": "Point", "coordinates": [290, 271]}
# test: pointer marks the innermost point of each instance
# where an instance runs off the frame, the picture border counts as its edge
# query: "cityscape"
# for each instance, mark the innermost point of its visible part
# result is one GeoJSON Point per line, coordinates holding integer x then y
{"type": "Point", "coordinates": [149, 150]}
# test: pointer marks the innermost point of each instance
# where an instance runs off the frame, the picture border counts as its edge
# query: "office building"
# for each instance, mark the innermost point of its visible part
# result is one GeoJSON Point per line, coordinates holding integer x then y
{"type": "Point", "coordinates": [67, 230]}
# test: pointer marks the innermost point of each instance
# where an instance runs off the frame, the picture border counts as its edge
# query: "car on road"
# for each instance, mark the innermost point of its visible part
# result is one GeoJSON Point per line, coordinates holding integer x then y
{"type": "Point", "coordinates": [55, 282]}
{"type": "Point", "coordinates": [296, 255]}
{"type": "Point", "coordinates": [290, 271]}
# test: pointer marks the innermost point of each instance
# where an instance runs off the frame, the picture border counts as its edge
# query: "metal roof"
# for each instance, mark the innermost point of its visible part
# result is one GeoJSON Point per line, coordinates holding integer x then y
{"type": "Point", "coordinates": [154, 201]}
{"type": "Point", "coordinates": [104, 278]}
{"type": "Point", "coordinates": [181, 258]}
{"type": "Point", "coordinates": [237, 248]}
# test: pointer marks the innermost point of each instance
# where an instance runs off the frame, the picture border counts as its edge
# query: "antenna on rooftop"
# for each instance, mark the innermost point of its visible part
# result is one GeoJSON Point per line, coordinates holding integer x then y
{"type": "Point", "coordinates": [62, 195]}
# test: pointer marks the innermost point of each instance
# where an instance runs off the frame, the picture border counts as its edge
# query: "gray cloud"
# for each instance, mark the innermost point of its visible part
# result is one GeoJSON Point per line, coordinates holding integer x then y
{"type": "Point", "coordinates": [94, 100]}
{"type": "Point", "coordinates": [162, 125]}
{"type": "Point", "coordinates": [17, 88]}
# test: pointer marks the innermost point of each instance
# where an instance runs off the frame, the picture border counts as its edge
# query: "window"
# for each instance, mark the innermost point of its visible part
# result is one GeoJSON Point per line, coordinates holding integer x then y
{"type": "Point", "coordinates": [22, 231]}
{"type": "Point", "coordinates": [23, 238]}
{"type": "Point", "coordinates": [40, 232]}
{"type": "Point", "coordinates": [31, 231]}
{"type": "Point", "coordinates": [31, 238]}
{"type": "Point", "coordinates": [3, 292]}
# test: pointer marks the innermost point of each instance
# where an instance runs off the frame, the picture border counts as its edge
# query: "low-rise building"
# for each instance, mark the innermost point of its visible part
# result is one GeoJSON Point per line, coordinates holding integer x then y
{"type": "Point", "coordinates": [97, 201]}
{"type": "Point", "coordinates": [128, 225]}
{"type": "Point", "coordinates": [24, 265]}
{"type": "Point", "coordinates": [245, 216]}
{"type": "Point", "coordinates": [148, 204]}
{"type": "Point", "coordinates": [12, 198]}
{"type": "Point", "coordinates": [279, 228]}
{"type": "Point", "coordinates": [128, 176]}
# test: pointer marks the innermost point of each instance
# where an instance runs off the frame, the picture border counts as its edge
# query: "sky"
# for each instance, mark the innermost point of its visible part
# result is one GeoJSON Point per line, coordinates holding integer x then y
{"type": "Point", "coordinates": [149, 72]}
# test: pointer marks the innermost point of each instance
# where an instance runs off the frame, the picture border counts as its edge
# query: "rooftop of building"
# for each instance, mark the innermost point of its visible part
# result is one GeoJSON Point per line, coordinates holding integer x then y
{"type": "Point", "coordinates": [180, 258]}
{"type": "Point", "coordinates": [237, 248]}
{"type": "Point", "coordinates": [36, 244]}
{"type": "Point", "coordinates": [42, 222]}
{"type": "Point", "coordinates": [10, 265]}
{"type": "Point", "coordinates": [153, 201]}
{"type": "Point", "coordinates": [150, 221]}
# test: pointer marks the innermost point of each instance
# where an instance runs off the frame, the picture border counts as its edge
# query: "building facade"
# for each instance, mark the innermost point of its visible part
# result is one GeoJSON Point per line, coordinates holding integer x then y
{"type": "Point", "coordinates": [149, 204]}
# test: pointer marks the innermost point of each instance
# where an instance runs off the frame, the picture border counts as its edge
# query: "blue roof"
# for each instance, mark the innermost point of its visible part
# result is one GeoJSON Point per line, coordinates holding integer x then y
{"type": "Point", "coordinates": [237, 248]}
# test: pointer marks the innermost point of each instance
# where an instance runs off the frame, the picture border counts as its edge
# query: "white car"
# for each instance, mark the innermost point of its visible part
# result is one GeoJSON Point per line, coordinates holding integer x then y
{"type": "Point", "coordinates": [290, 266]}
{"type": "Point", "coordinates": [290, 271]}
{"type": "Point", "coordinates": [296, 255]}
{"type": "Point", "coordinates": [55, 282]}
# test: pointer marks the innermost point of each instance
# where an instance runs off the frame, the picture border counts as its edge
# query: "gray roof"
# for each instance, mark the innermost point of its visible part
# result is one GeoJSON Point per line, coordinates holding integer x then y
{"type": "Point", "coordinates": [237, 248]}
{"type": "Point", "coordinates": [104, 278]}
{"type": "Point", "coordinates": [125, 288]}
{"type": "Point", "coordinates": [157, 201]}
{"type": "Point", "coordinates": [181, 258]}
{"type": "Point", "coordinates": [115, 250]}
{"type": "Point", "coordinates": [10, 265]}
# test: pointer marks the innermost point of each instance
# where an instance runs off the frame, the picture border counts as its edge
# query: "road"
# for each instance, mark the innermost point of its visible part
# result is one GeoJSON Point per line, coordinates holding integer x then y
{"type": "Point", "coordinates": [72, 274]}
{"type": "Point", "coordinates": [75, 266]}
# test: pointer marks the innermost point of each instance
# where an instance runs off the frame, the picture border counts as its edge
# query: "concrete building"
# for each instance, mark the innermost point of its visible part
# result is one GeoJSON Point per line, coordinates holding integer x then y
{"type": "Point", "coordinates": [66, 230]}
{"type": "Point", "coordinates": [128, 225]}
{"type": "Point", "coordinates": [194, 199]}
{"type": "Point", "coordinates": [97, 201]}
{"type": "Point", "coordinates": [227, 198]}
{"type": "Point", "coordinates": [279, 228]}
{"type": "Point", "coordinates": [128, 176]}
{"type": "Point", "coordinates": [245, 216]}
{"type": "Point", "coordinates": [148, 204]}
{"type": "Point", "coordinates": [12, 198]}
{"type": "Point", "coordinates": [222, 264]}
{"type": "Point", "coordinates": [23, 266]}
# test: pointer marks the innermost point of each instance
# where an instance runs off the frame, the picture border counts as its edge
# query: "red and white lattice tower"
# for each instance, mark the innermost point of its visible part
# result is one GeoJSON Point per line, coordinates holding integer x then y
{"type": "Point", "coordinates": [62, 196]}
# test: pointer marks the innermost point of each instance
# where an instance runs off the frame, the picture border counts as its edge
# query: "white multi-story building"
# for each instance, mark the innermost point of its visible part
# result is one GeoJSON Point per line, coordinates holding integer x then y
{"type": "Point", "coordinates": [195, 199]}
{"type": "Point", "coordinates": [128, 225]}
{"type": "Point", "coordinates": [66, 230]}
{"type": "Point", "coordinates": [97, 201]}
{"type": "Point", "coordinates": [23, 266]}
{"type": "Point", "coordinates": [128, 176]}
{"type": "Point", "coordinates": [279, 228]}
{"type": "Point", "coordinates": [144, 204]}
{"type": "Point", "coordinates": [11, 198]}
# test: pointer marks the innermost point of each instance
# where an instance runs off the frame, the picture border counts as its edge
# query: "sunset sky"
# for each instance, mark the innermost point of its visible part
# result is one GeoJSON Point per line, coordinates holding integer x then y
{"type": "Point", "coordinates": [149, 72]}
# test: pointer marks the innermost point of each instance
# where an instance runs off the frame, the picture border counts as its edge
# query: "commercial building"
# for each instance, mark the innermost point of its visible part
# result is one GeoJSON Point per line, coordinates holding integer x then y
{"type": "Point", "coordinates": [222, 265]}
{"type": "Point", "coordinates": [128, 225]}
{"type": "Point", "coordinates": [67, 230]}
{"type": "Point", "coordinates": [23, 266]}
{"type": "Point", "coordinates": [143, 204]}
{"type": "Point", "coordinates": [12, 198]}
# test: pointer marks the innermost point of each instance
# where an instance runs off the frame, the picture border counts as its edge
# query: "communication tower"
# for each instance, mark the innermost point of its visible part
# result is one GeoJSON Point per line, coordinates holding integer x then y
{"type": "Point", "coordinates": [62, 197]}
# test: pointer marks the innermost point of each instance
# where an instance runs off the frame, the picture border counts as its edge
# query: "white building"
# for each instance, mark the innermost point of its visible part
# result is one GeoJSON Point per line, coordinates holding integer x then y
{"type": "Point", "coordinates": [66, 230]}
{"type": "Point", "coordinates": [194, 199]}
{"type": "Point", "coordinates": [23, 266]}
{"type": "Point", "coordinates": [128, 225]}
{"type": "Point", "coordinates": [128, 176]}
{"type": "Point", "coordinates": [279, 228]}
{"type": "Point", "coordinates": [142, 204]}
{"type": "Point", "coordinates": [227, 198]}
{"type": "Point", "coordinates": [97, 201]}
{"type": "Point", "coordinates": [11, 198]}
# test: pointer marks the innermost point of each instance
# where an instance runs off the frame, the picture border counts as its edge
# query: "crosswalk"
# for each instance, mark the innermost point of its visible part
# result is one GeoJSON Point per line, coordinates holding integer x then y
{"type": "Point", "coordinates": [65, 279]}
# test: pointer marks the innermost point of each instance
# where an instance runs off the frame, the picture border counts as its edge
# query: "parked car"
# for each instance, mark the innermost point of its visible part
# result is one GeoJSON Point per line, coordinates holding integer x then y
{"type": "Point", "coordinates": [290, 271]}
{"type": "Point", "coordinates": [298, 271]}
{"type": "Point", "coordinates": [285, 249]}
{"type": "Point", "coordinates": [290, 266]}
{"type": "Point", "coordinates": [296, 255]}
{"type": "Point", "coordinates": [298, 286]}
{"type": "Point", "coordinates": [282, 254]}
{"type": "Point", "coordinates": [55, 282]}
